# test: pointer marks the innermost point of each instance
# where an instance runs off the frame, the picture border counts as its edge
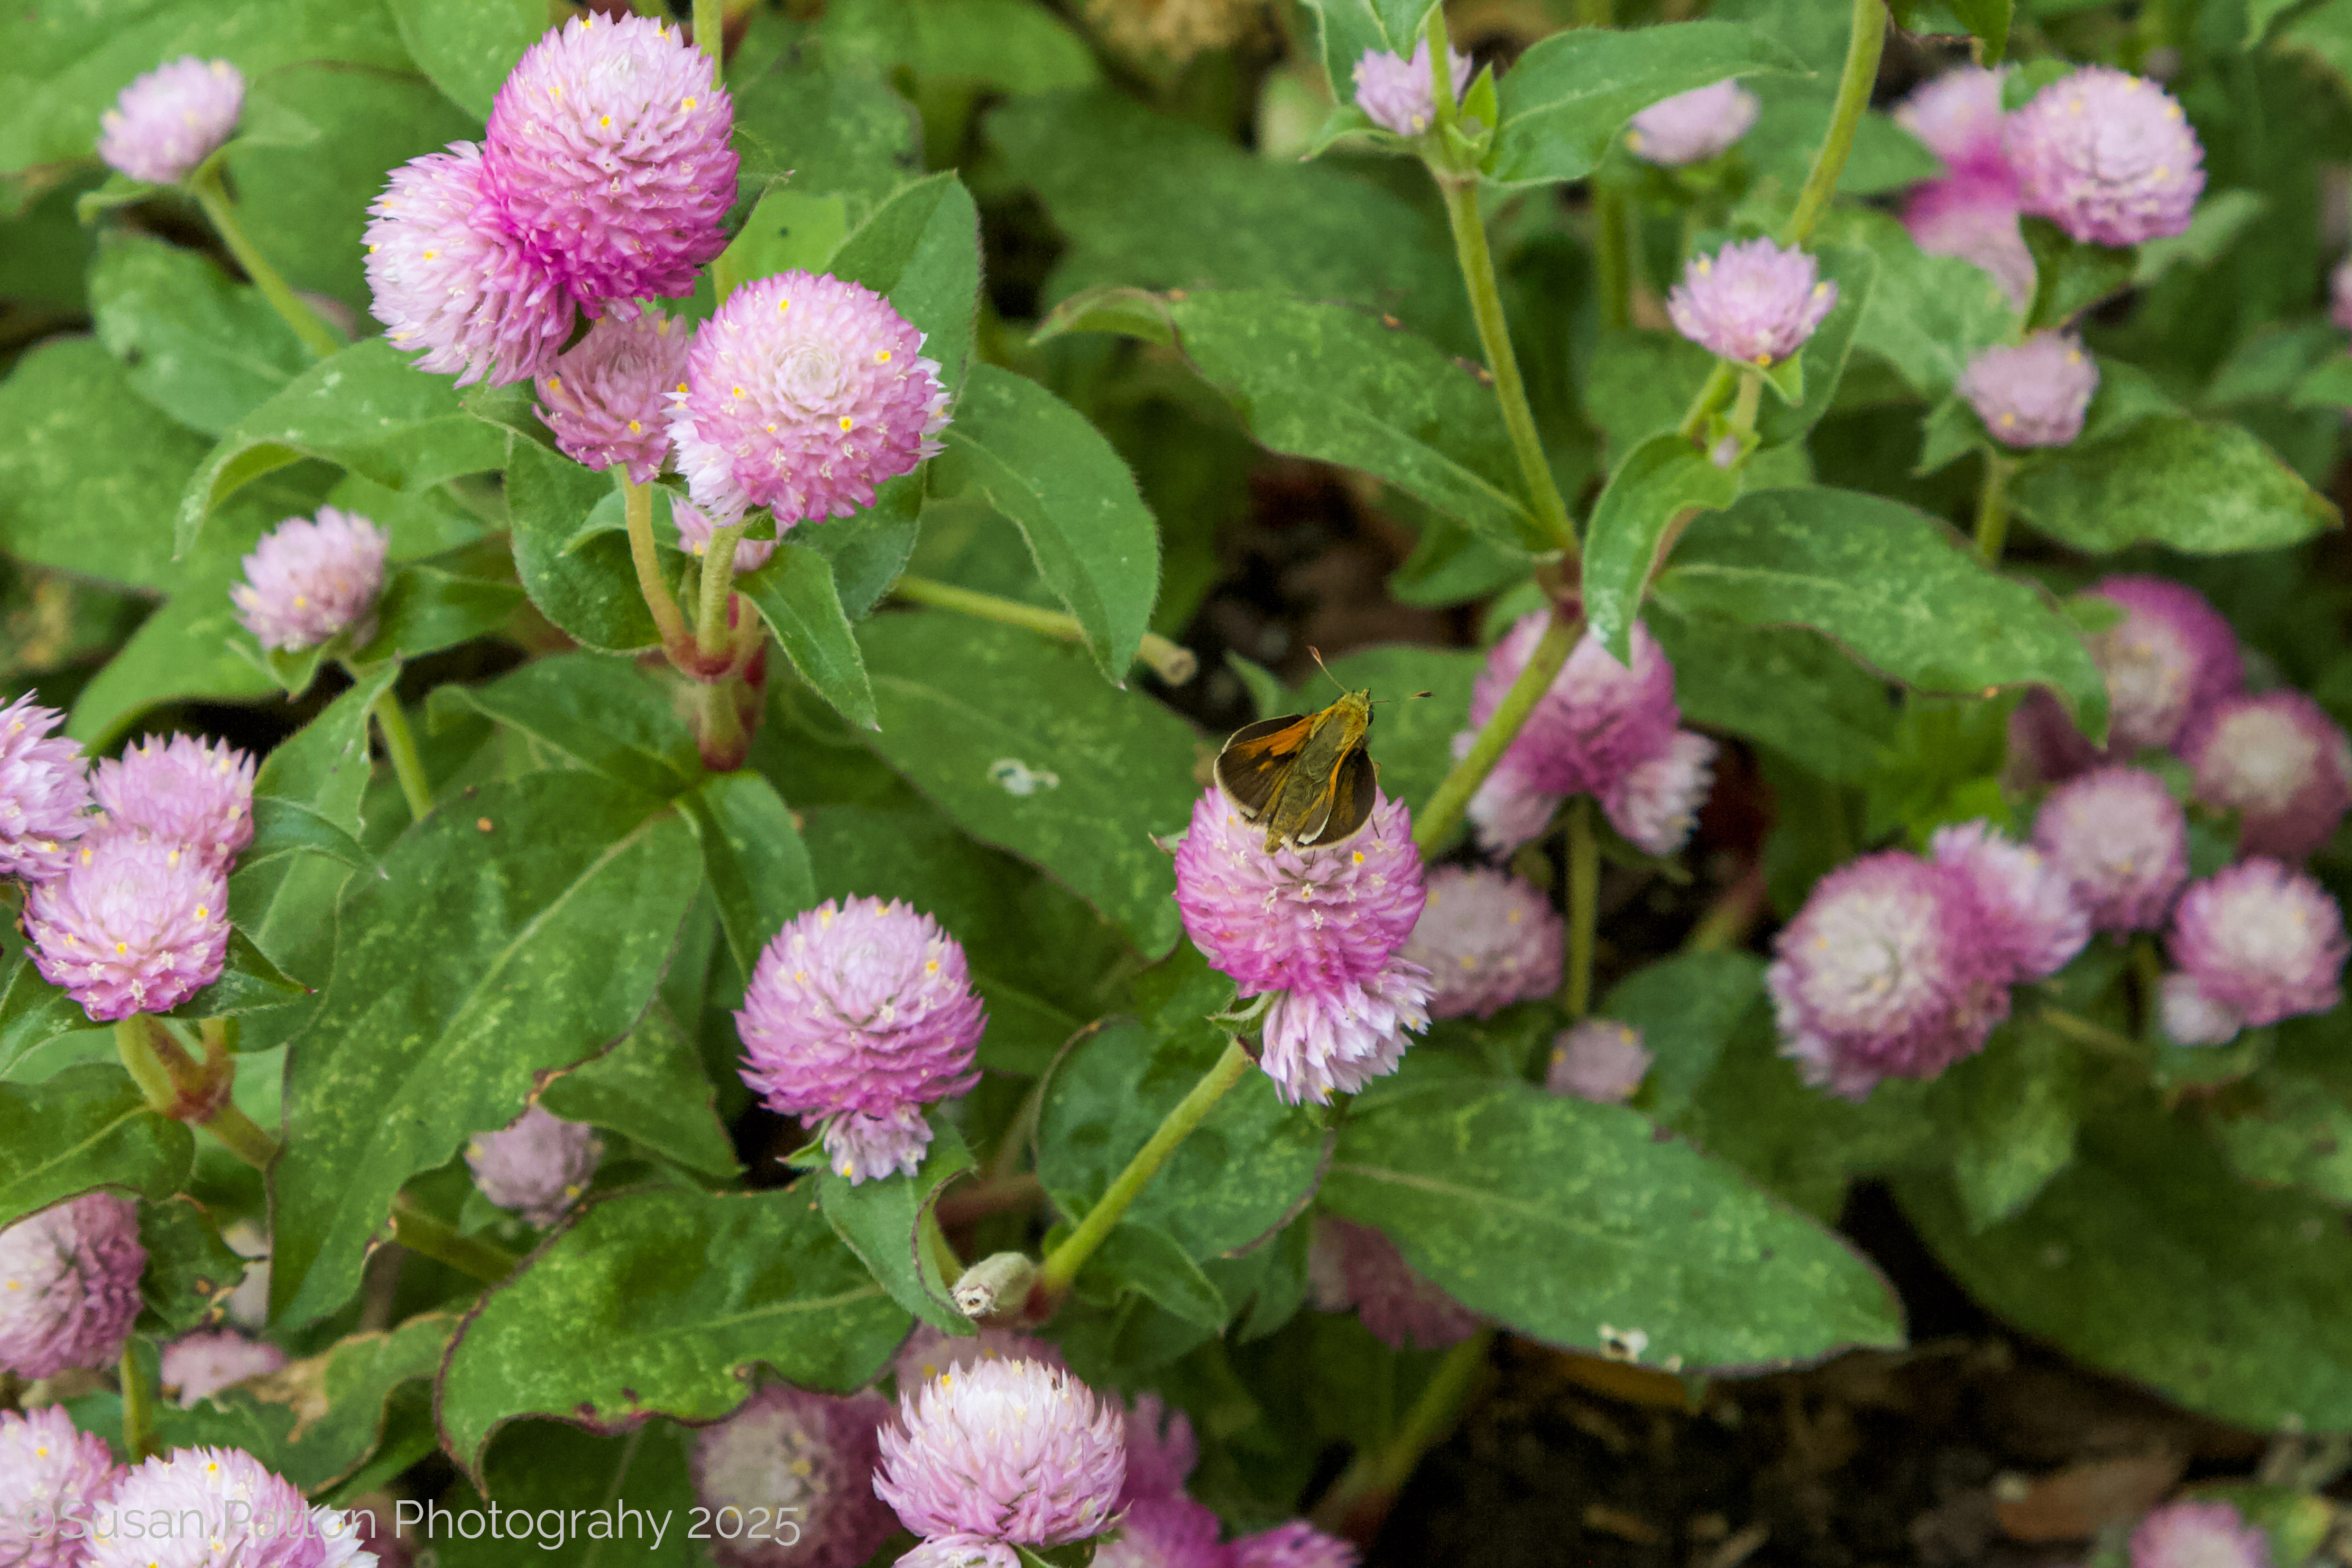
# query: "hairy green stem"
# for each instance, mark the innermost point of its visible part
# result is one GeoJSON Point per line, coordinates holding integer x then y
{"type": "Point", "coordinates": [1863, 46]}
{"type": "Point", "coordinates": [1713, 393]}
{"type": "Point", "coordinates": [1171, 662]}
{"type": "Point", "coordinates": [2098, 1037]}
{"type": "Point", "coordinates": [400, 744]}
{"type": "Point", "coordinates": [637, 508]}
{"type": "Point", "coordinates": [1437, 819]}
{"type": "Point", "coordinates": [138, 1407]}
{"type": "Point", "coordinates": [1370, 1484]}
{"type": "Point", "coordinates": [710, 34]}
{"type": "Point", "coordinates": [177, 1086]}
{"type": "Point", "coordinates": [711, 632]}
{"type": "Point", "coordinates": [1612, 255]}
{"type": "Point", "coordinates": [242, 1136]}
{"type": "Point", "coordinates": [430, 1237]}
{"type": "Point", "coordinates": [1583, 906]}
{"type": "Point", "coordinates": [137, 1049]}
{"type": "Point", "coordinates": [316, 335]}
{"type": "Point", "coordinates": [1745, 405]}
{"type": "Point", "coordinates": [1993, 509]}
{"type": "Point", "coordinates": [1062, 1265]}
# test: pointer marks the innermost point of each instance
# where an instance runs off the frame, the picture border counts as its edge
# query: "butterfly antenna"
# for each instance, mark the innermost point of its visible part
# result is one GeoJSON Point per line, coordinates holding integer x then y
{"type": "Point", "coordinates": [1317, 654]}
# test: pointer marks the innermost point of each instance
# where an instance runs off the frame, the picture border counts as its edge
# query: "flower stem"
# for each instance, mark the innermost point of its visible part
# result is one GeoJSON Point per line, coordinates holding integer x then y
{"type": "Point", "coordinates": [177, 1086]}
{"type": "Point", "coordinates": [1062, 1265]}
{"type": "Point", "coordinates": [1487, 304]}
{"type": "Point", "coordinates": [1728, 919]}
{"type": "Point", "coordinates": [400, 744]}
{"type": "Point", "coordinates": [710, 630]}
{"type": "Point", "coordinates": [242, 1136]}
{"type": "Point", "coordinates": [1612, 255]}
{"type": "Point", "coordinates": [1993, 509]}
{"type": "Point", "coordinates": [1713, 393]}
{"type": "Point", "coordinates": [710, 34]}
{"type": "Point", "coordinates": [1583, 906]}
{"type": "Point", "coordinates": [138, 1407]}
{"type": "Point", "coordinates": [2098, 1037]}
{"type": "Point", "coordinates": [638, 507]}
{"type": "Point", "coordinates": [1864, 47]}
{"type": "Point", "coordinates": [421, 1233]}
{"type": "Point", "coordinates": [1171, 662]}
{"type": "Point", "coordinates": [316, 335]}
{"type": "Point", "coordinates": [1365, 1491]}
{"type": "Point", "coordinates": [1743, 405]}
{"type": "Point", "coordinates": [1445, 807]}
{"type": "Point", "coordinates": [137, 1049]}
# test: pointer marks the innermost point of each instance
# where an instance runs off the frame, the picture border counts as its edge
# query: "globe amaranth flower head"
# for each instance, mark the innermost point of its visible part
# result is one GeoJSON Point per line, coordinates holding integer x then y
{"type": "Point", "coordinates": [2031, 918]}
{"type": "Point", "coordinates": [1601, 1060]}
{"type": "Point", "coordinates": [171, 119]}
{"type": "Point", "coordinates": [1162, 1449]}
{"type": "Point", "coordinates": [183, 791]}
{"type": "Point", "coordinates": [1487, 940]}
{"type": "Point", "coordinates": [607, 397]}
{"type": "Point", "coordinates": [135, 925]}
{"type": "Point", "coordinates": [44, 789]}
{"type": "Point", "coordinates": [2199, 1535]}
{"type": "Point", "coordinates": [1322, 929]}
{"type": "Point", "coordinates": [802, 395]}
{"type": "Point", "coordinates": [2121, 839]}
{"type": "Point", "coordinates": [537, 1165]}
{"type": "Point", "coordinates": [1974, 218]}
{"type": "Point", "coordinates": [608, 159]}
{"type": "Point", "coordinates": [309, 581]}
{"type": "Point", "coordinates": [810, 1453]}
{"type": "Point", "coordinates": [2259, 942]}
{"type": "Point", "coordinates": [1355, 1265]}
{"type": "Point", "coordinates": [928, 1352]}
{"type": "Point", "coordinates": [1296, 1544]}
{"type": "Point", "coordinates": [2279, 762]}
{"type": "Point", "coordinates": [695, 529]}
{"type": "Point", "coordinates": [1958, 117]}
{"type": "Point", "coordinates": [999, 1452]}
{"type": "Point", "coordinates": [2033, 394]}
{"type": "Point", "coordinates": [1751, 301]}
{"type": "Point", "coordinates": [1165, 1532]}
{"type": "Point", "coordinates": [1693, 126]}
{"type": "Point", "coordinates": [861, 1014]}
{"type": "Point", "coordinates": [2166, 662]}
{"type": "Point", "coordinates": [1655, 802]}
{"type": "Point", "coordinates": [201, 1364]}
{"type": "Point", "coordinates": [225, 1507]}
{"type": "Point", "coordinates": [50, 1472]}
{"type": "Point", "coordinates": [445, 280]}
{"type": "Point", "coordinates": [1400, 94]}
{"type": "Point", "coordinates": [69, 1285]}
{"type": "Point", "coordinates": [1887, 972]}
{"type": "Point", "coordinates": [2107, 156]}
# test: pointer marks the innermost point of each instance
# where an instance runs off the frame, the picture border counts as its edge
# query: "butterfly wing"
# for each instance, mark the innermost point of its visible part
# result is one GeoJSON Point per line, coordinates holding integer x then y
{"type": "Point", "coordinates": [1252, 766]}
{"type": "Point", "coordinates": [1354, 785]}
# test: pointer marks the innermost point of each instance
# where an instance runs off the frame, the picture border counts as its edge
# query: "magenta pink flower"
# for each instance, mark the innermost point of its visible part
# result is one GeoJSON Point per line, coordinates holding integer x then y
{"type": "Point", "coordinates": [2279, 762]}
{"type": "Point", "coordinates": [1296, 1544]}
{"type": "Point", "coordinates": [201, 1364]}
{"type": "Point", "coordinates": [861, 1014]}
{"type": "Point", "coordinates": [2261, 940]}
{"type": "Point", "coordinates": [2339, 294]}
{"type": "Point", "coordinates": [1693, 126]}
{"type": "Point", "coordinates": [171, 119]}
{"type": "Point", "coordinates": [44, 789]}
{"type": "Point", "coordinates": [1958, 117]}
{"type": "Point", "coordinates": [1510, 806]}
{"type": "Point", "coordinates": [1400, 94]}
{"type": "Point", "coordinates": [1753, 302]}
{"type": "Point", "coordinates": [1160, 1449]}
{"type": "Point", "coordinates": [2031, 915]}
{"type": "Point", "coordinates": [307, 582]}
{"type": "Point", "coordinates": [1487, 940]}
{"type": "Point", "coordinates": [445, 280]}
{"type": "Point", "coordinates": [802, 394]}
{"type": "Point", "coordinates": [1601, 1060]}
{"type": "Point", "coordinates": [2121, 839]}
{"type": "Point", "coordinates": [608, 396]}
{"type": "Point", "coordinates": [608, 159]}
{"type": "Point", "coordinates": [928, 1352]}
{"type": "Point", "coordinates": [811, 1453]}
{"type": "Point", "coordinates": [50, 1473]}
{"type": "Point", "coordinates": [1323, 928]}
{"type": "Point", "coordinates": [2033, 394]}
{"type": "Point", "coordinates": [69, 1285]}
{"type": "Point", "coordinates": [181, 791]}
{"type": "Point", "coordinates": [1974, 218]}
{"type": "Point", "coordinates": [1655, 802]}
{"type": "Point", "coordinates": [2107, 156]}
{"type": "Point", "coordinates": [537, 1165]}
{"type": "Point", "coordinates": [135, 925]}
{"type": "Point", "coordinates": [225, 1507]}
{"type": "Point", "coordinates": [2199, 1535]}
{"type": "Point", "coordinates": [1165, 1533]}
{"type": "Point", "coordinates": [1887, 972]}
{"type": "Point", "coordinates": [695, 529]}
{"type": "Point", "coordinates": [1355, 1265]}
{"type": "Point", "coordinates": [1002, 1451]}
{"type": "Point", "coordinates": [2169, 659]}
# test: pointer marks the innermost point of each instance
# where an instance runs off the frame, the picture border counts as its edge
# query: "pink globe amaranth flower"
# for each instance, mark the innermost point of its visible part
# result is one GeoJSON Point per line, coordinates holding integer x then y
{"type": "Point", "coordinates": [862, 1013]}
{"type": "Point", "coordinates": [2107, 156]}
{"type": "Point", "coordinates": [2192, 1018]}
{"type": "Point", "coordinates": [802, 395]}
{"type": "Point", "coordinates": [2339, 294]}
{"type": "Point", "coordinates": [180, 790]}
{"type": "Point", "coordinates": [446, 280]}
{"type": "Point", "coordinates": [537, 1165]}
{"type": "Point", "coordinates": [2199, 1535]}
{"type": "Point", "coordinates": [928, 1352]}
{"type": "Point", "coordinates": [608, 396]}
{"type": "Point", "coordinates": [1323, 928]}
{"type": "Point", "coordinates": [608, 159]}
{"type": "Point", "coordinates": [1487, 940]}
{"type": "Point", "coordinates": [1165, 1533]}
{"type": "Point", "coordinates": [1958, 117]}
{"type": "Point", "coordinates": [2261, 940]}
{"type": "Point", "coordinates": [309, 581]}
{"type": "Point", "coordinates": [1655, 802]}
{"type": "Point", "coordinates": [44, 791]}
{"type": "Point", "coordinates": [1160, 1449]}
{"type": "Point", "coordinates": [225, 1506]}
{"type": "Point", "coordinates": [2168, 661]}
{"type": "Point", "coordinates": [1400, 94]}
{"type": "Point", "coordinates": [1752, 301]}
{"type": "Point", "coordinates": [1355, 1265]}
{"type": "Point", "coordinates": [2279, 762]}
{"type": "Point", "coordinates": [695, 529]}
{"type": "Point", "coordinates": [2118, 835]}
{"type": "Point", "coordinates": [1296, 1544]}
{"type": "Point", "coordinates": [1599, 719]}
{"type": "Point", "coordinates": [201, 1364]}
{"type": "Point", "coordinates": [1692, 126]}
{"type": "Point", "coordinates": [811, 1452]}
{"type": "Point", "coordinates": [135, 925]}
{"type": "Point", "coordinates": [51, 1474]}
{"type": "Point", "coordinates": [2031, 915]}
{"type": "Point", "coordinates": [1004, 1451]}
{"type": "Point", "coordinates": [69, 1285]}
{"type": "Point", "coordinates": [1510, 806]}
{"type": "Point", "coordinates": [1887, 972]}
{"type": "Point", "coordinates": [2033, 394]}
{"type": "Point", "coordinates": [1974, 218]}
{"type": "Point", "coordinates": [170, 119]}
{"type": "Point", "coordinates": [1601, 1060]}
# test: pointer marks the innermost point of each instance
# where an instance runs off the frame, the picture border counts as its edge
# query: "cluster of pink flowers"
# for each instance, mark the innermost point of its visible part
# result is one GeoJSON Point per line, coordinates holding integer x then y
{"type": "Point", "coordinates": [2033, 394]}
{"type": "Point", "coordinates": [171, 119]}
{"type": "Point", "coordinates": [1691, 127]}
{"type": "Point", "coordinates": [201, 1364]}
{"type": "Point", "coordinates": [1353, 1267]}
{"type": "Point", "coordinates": [1752, 301]}
{"type": "Point", "coordinates": [1601, 1060]}
{"type": "Point", "coordinates": [309, 582]}
{"type": "Point", "coordinates": [69, 1285]}
{"type": "Point", "coordinates": [537, 1166]}
{"type": "Point", "coordinates": [814, 1453]}
{"type": "Point", "coordinates": [1399, 94]}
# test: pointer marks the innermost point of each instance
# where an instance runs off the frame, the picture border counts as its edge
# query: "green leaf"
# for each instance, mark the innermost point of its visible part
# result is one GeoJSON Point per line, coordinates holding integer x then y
{"type": "Point", "coordinates": [2069, 277]}
{"type": "Point", "coordinates": [1136, 1257]}
{"type": "Point", "coordinates": [1348, 27]}
{"type": "Point", "coordinates": [1043, 464]}
{"type": "Point", "coordinates": [87, 1127]}
{"type": "Point", "coordinates": [189, 647]}
{"type": "Point", "coordinates": [1657, 483]}
{"type": "Point", "coordinates": [455, 597]}
{"type": "Point", "coordinates": [716, 1283]}
{"type": "Point", "coordinates": [868, 551]}
{"type": "Point", "coordinates": [1566, 98]}
{"type": "Point", "coordinates": [2215, 227]}
{"type": "Point", "coordinates": [787, 229]}
{"type": "Point", "coordinates": [1020, 743]}
{"type": "Point", "coordinates": [522, 929]}
{"type": "Point", "coordinates": [188, 1265]}
{"type": "Point", "coordinates": [468, 47]}
{"type": "Point", "coordinates": [2298, 1133]}
{"type": "Point", "coordinates": [651, 1088]}
{"type": "Point", "coordinates": [881, 1220]}
{"type": "Point", "coordinates": [572, 551]}
{"type": "Point", "coordinates": [831, 129]}
{"type": "Point", "coordinates": [1013, 45]}
{"type": "Point", "coordinates": [32, 1012]}
{"type": "Point", "coordinates": [203, 350]}
{"type": "Point", "coordinates": [249, 982]}
{"type": "Point", "coordinates": [606, 715]}
{"type": "Point", "coordinates": [920, 250]}
{"type": "Point", "coordinates": [1988, 20]}
{"type": "Point", "coordinates": [1928, 315]}
{"type": "Point", "coordinates": [1788, 687]}
{"type": "Point", "coordinates": [1890, 584]}
{"type": "Point", "coordinates": [1332, 383]}
{"type": "Point", "coordinates": [1855, 270]}
{"type": "Point", "coordinates": [2201, 486]}
{"type": "Point", "coordinates": [2011, 1111]}
{"type": "Point", "coordinates": [1574, 1223]}
{"type": "Point", "coordinates": [1686, 1007]}
{"type": "Point", "coordinates": [292, 827]}
{"type": "Point", "coordinates": [795, 594]}
{"type": "Point", "coordinates": [751, 852]}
